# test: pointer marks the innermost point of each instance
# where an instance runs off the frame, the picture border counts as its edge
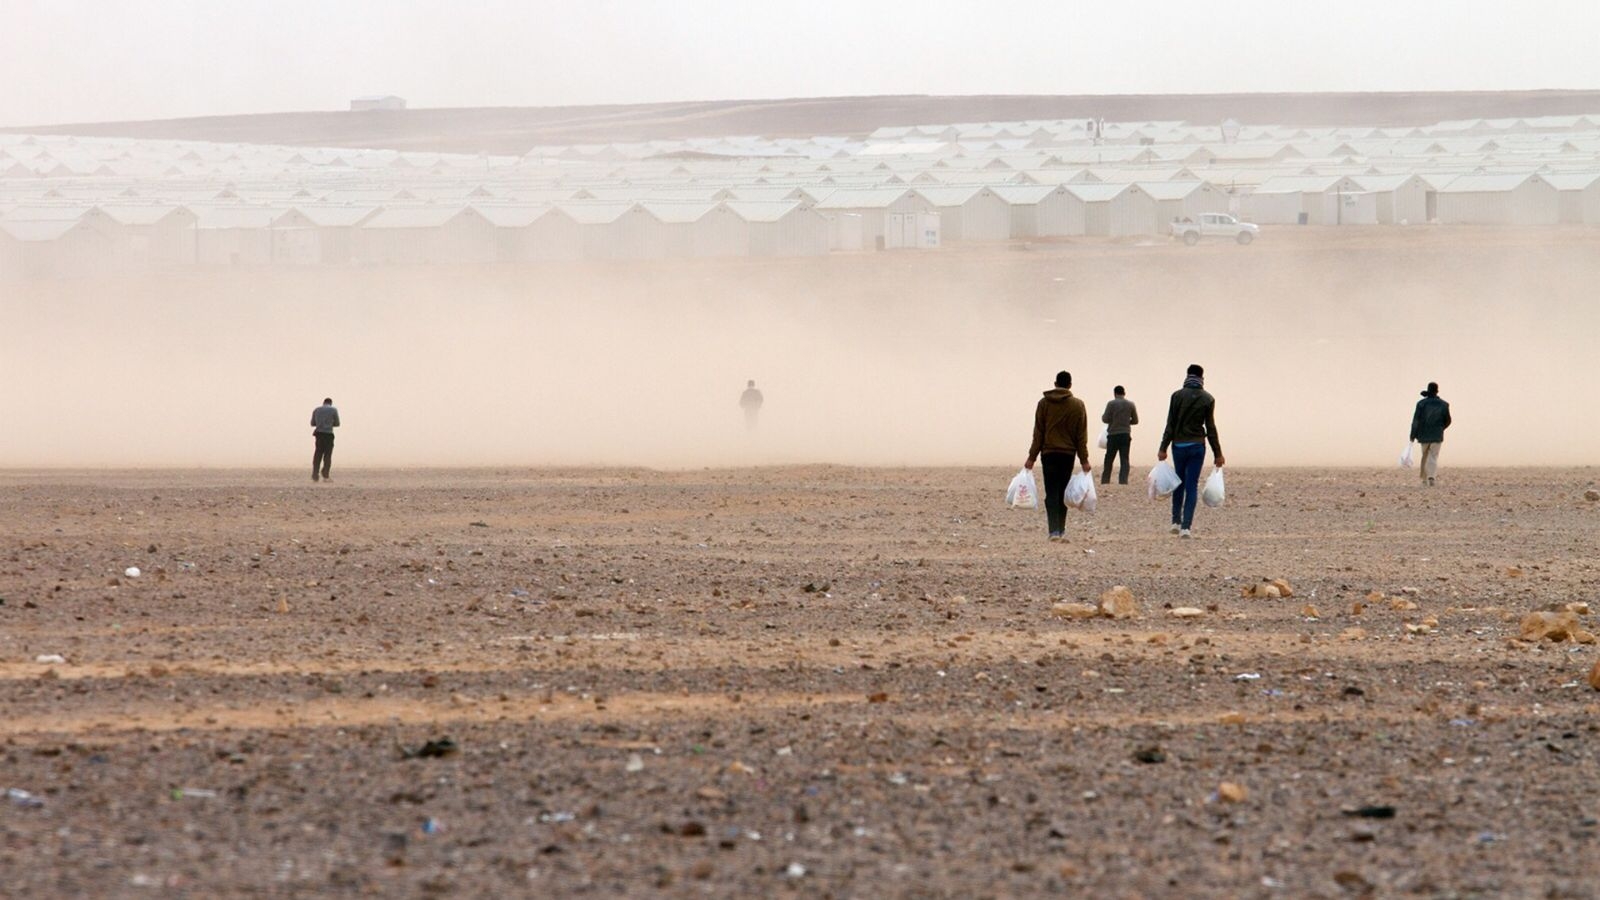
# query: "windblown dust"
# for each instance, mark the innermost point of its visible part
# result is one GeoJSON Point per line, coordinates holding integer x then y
{"type": "Point", "coordinates": [1315, 342]}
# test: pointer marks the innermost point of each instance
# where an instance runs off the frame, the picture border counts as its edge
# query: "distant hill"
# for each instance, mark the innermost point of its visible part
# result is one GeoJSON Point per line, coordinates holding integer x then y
{"type": "Point", "coordinates": [515, 129]}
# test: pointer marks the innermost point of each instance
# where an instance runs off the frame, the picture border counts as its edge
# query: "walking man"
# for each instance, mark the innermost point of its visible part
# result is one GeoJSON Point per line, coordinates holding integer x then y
{"type": "Point", "coordinates": [750, 402]}
{"type": "Point", "coordinates": [1427, 426]}
{"type": "Point", "coordinates": [1060, 433]}
{"type": "Point", "coordinates": [1191, 424]}
{"type": "Point", "coordinates": [1120, 417]}
{"type": "Point", "coordinates": [324, 419]}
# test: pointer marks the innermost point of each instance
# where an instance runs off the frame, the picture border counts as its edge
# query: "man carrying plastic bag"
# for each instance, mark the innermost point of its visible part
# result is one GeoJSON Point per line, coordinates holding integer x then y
{"type": "Point", "coordinates": [1060, 433]}
{"type": "Point", "coordinates": [1191, 424]}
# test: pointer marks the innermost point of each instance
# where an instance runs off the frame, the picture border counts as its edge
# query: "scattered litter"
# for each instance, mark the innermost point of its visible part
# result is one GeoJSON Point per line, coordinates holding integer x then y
{"type": "Point", "coordinates": [1247, 676]}
{"type": "Point", "coordinates": [50, 659]}
{"type": "Point", "coordinates": [434, 749]}
{"type": "Point", "coordinates": [196, 793]}
{"type": "Point", "coordinates": [795, 870]}
{"type": "Point", "coordinates": [132, 572]}
{"type": "Point", "coordinates": [1186, 612]}
{"type": "Point", "coordinates": [1370, 812]}
{"type": "Point", "coordinates": [432, 826]}
{"type": "Point", "coordinates": [22, 798]}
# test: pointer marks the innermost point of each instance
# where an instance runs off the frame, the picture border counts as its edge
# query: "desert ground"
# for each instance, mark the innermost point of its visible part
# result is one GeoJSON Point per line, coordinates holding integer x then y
{"type": "Point", "coordinates": [819, 681]}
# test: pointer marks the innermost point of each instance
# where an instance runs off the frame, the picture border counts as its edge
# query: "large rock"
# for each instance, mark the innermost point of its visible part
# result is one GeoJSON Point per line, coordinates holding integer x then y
{"type": "Point", "coordinates": [1549, 626]}
{"type": "Point", "coordinates": [1118, 603]}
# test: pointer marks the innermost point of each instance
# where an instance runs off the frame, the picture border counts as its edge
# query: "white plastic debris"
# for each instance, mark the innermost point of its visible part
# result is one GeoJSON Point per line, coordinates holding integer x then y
{"type": "Point", "coordinates": [132, 572]}
{"type": "Point", "coordinates": [50, 659]}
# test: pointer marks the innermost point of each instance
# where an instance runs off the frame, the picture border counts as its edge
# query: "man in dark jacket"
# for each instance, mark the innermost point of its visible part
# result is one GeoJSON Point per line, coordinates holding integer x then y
{"type": "Point", "coordinates": [324, 419]}
{"type": "Point", "coordinates": [1427, 426]}
{"type": "Point", "coordinates": [1191, 424]}
{"type": "Point", "coordinates": [1060, 432]}
{"type": "Point", "coordinates": [1120, 417]}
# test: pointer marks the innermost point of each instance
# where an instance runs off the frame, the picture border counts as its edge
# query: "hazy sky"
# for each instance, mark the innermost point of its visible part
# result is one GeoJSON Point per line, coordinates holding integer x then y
{"type": "Point", "coordinates": [95, 60]}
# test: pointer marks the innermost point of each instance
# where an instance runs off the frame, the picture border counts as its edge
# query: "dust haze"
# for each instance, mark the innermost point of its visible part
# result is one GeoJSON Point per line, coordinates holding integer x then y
{"type": "Point", "coordinates": [1315, 344]}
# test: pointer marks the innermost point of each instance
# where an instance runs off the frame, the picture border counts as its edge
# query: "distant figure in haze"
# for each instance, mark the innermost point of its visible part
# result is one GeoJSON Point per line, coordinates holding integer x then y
{"type": "Point", "coordinates": [1120, 417]}
{"type": "Point", "coordinates": [750, 402]}
{"type": "Point", "coordinates": [1060, 432]}
{"type": "Point", "coordinates": [1191, 423]}
{"type": "Point", "coordinates": [1427, 426]}
{"type": "Point", "coordinates": [324, 419]}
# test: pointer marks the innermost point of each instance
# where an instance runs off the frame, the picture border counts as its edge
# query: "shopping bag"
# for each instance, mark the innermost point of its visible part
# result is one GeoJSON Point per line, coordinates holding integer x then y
{"type": "Point", "coordinates": [1163, 480]}
{"type": "Point", "coordinates": [1080, 492]}
{"type": "Point", "coordinates": [1105, 437]}
{"type": "Point", "coordinates": [1213, 493]}
{"type": "Point", "coordinates": [1405, 458]}
{"type": "Point", "coordinates": [1023, 492]}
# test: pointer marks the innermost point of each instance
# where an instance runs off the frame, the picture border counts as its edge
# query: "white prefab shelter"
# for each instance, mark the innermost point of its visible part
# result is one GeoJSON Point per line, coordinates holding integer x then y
{"type": "Point", "coordinates": [1398, 199]}
{"type": "Point", "coordinates": [1579, 196]}
{"type": "Point", "coordinates": [58, 248]}
{"type": "Point", "coordinates": [1044, 211]}
{"type": "Point", "coordinates": [426, 234]}
{"type": "Point", "coordinates": [1184, 199]}
{"type": "Point", "coordinates": [969, 213]}
{"type": "Point", "coordinates": [872, 207]}
{"type": "Point", "coordinates": [779, 228]}
{"type": "Point", "coordinates": [1115, 210]}
{"type": "Point", "coordinates": [1499, 200]}
{"type": "Point", "coordinates": [152, 236]}
{"type": "Point", "coordinates": [1305, 199]}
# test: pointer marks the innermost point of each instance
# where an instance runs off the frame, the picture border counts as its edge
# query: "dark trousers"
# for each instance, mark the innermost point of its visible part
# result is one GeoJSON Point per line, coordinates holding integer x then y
{"type": "Point", "coordinates": [1117, 444]}
{"type": "Point", "coordinates": [322, 458]}
{"type": "Point", "coordinates": [1057, 472]}
{"type": "Point", "coordinates": [1188, 460]}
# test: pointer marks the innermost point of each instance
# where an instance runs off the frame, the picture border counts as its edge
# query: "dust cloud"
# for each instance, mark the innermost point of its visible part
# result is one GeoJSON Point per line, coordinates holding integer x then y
{"type": "Point", "coordinates": [1315, 343]}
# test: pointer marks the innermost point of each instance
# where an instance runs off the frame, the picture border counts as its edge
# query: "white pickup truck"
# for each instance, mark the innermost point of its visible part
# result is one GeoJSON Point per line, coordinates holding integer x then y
{"type": "Point", "coordinates": [1214, 226]}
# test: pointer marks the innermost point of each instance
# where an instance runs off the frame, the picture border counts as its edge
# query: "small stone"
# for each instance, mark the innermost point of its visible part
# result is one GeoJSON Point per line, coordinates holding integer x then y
{"type": "Point", "coordinates": [283, 605]}
{"type": "Point", "coordinates": [1310, 612]}
{"type": "Point", "coordinates": [1118, 603]}
{"type": "Point", "coordinates": [1548, 626]}
{"type": "Point", "coordinates": [1149, 755]}
{"type": "Point", "coordinates": [1513, 571]}
{"type": "Point", "coordinates": [1594, 676]}
{"type": "Point", "coordinates": [1376, 597]}
{"type": "Point", "coordinates": [1401, 604]}
{"type": "Point", "coordinates": [701, 870]}
{"type": "Point", "coordinates": [795, 870]}
{"type": "Point", "coordinates": [1074, 611]}
{"type": "Point", "coordinates": [1231, 718]}
{"type": "Point", "coordinates": [1185, 612]}
{"type": "Point", "coordinates": [1284, 590]}
{"type": "Point", "coordinates": [711, 793]}
{"type": "Point", "coordinates": [132, 572]}
{"type": "Point", "coordinates": [1578, 608]}
{"type": "Point", "coordinates": [691, 829]}
{"type": "Point", "coordinates": [635, 763]}
{"type": "Point", "coordinates": [1417, 629]}
{"type": "Point", "coordinates": [1591, 495]}
{"type": "Point", "coordinates": [1580, 636]}
{"type": "Point", "coordinates": [1353, 634]}
{"type": "Point", "coordinates": [1229, 792]}
{"type": "Point", "coordinates": [879, 697]}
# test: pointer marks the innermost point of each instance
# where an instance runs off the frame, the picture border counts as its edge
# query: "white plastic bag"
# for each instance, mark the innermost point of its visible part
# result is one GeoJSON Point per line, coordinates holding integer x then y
{"type": "Point", "coordinates": [1105, 437]}
{"type": "Point", "coordinates": [1405, 458]}
{"type": "Point", "coordinates": [1080, 491]}
{"type": "Point", "coordinates": [1023, 492]}
{"type": "Point", "coordinates": [1213, 493]}
{"type": "Point", "coordinates": [1163, 480]}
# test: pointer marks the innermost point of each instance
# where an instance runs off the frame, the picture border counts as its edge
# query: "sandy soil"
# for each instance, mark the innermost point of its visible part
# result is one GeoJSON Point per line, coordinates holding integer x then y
{"type": "Point", "coordinates": [514, 130]}
{"type": "Point", "coordinates": [818, 681]}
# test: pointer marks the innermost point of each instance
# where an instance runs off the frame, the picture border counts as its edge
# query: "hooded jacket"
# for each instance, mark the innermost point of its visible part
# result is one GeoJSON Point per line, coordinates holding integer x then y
{"type": "Point", "coordinates": [1430, 420]}
{"type": "Point", "coordinates": [1060, 425]}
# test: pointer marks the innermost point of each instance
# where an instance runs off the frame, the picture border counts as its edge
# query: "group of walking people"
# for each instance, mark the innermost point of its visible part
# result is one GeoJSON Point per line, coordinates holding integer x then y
{"type": "Point", "coordinates": [1061, 439]}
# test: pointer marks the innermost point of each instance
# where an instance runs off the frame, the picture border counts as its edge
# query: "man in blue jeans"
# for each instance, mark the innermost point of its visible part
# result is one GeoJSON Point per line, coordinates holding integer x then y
{"type": "Point", "coordinates": [1191, 424]}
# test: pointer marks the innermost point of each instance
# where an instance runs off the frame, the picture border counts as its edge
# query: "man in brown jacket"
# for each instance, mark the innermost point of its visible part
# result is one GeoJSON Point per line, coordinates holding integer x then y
{"type": "Point", "coordinates": [1060, 432]}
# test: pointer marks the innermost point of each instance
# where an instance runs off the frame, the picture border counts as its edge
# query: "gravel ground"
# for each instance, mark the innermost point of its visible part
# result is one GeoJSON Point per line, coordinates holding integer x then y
{"type": "Point", "coordinates": [814, 681]}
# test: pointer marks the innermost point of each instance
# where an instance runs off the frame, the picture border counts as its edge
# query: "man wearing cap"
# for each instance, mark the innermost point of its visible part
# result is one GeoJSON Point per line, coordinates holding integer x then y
{"type": "Point", "coordinates": [1427, 427]}
{"type": "Point", "coordinates": [1120, 417]}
